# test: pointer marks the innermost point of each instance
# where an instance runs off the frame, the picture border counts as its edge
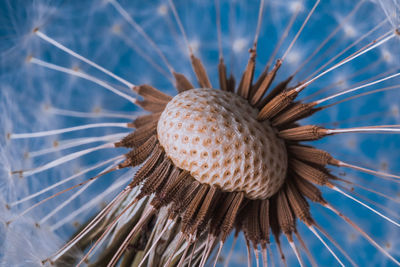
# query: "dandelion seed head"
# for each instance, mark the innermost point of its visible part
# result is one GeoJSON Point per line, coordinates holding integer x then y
{"type": "Point", "coordinates": [100, 33]}
{"type": "Point", "coordinates": [222, 146]}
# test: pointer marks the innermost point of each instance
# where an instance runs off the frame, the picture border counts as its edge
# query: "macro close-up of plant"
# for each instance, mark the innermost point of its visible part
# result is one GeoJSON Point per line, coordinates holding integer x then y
{"type": "Point", "coordinates": [199, 133]}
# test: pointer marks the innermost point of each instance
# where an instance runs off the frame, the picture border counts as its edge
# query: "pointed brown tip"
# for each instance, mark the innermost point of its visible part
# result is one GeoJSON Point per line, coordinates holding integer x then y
{"type": "Point", "coordinates": [19, 172]}
{"type": "Point", "coordinates": [136, 88]}
{"type": "Point", "coordinates": [124, 164]}
{"type": "Point", "coordinates": [29, 58]}
{"type": "Point", "coordinates": [334, 162]}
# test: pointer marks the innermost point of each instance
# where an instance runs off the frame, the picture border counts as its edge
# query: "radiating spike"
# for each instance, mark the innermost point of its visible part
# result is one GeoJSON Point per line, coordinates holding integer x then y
{"type": "Point", "coordinates": [377, 173]}
{"type": "Point", "coordinates": [206, 208]}
{"type": "Point", "coordinates": [309, 190]}
{"type": "Point", "coordinates": [325, 233]}
{"type": "Point", "coordinates": [171, 188]}
{"type": "Point", "coordinates": [271, 255]}
{"type": "Point", "coordinates": [353, 184]}
{"type": "Point", "coordinates": [117, 30]}
{"type": "Point", "coordinates": [106, 232]}
{"type": "Point", "coordinates": [82, 75]}
{"type": "Point", "coordinates": [304, 133]}
{"type": "Point", "coordinates": [331, 35]}
{"type": "Point", "coordinates": [138, 137]}
{"type": "Point", "coordinates": [231, 82]}
{"type": "Point", "coordinates": [219, 33]}
{"type": "Point", "coordinates": [312, 229]}
{"type": "Point", "coordinates": [70, 143]}
{"type": "Point", "coordinates": [384, 89]}
{"type": "Point", "coordinates": [223, 80]}
{"type": "Point", "coordinates": [139, 155]}
{"type": "Point", "coordinates": [230, 216]}
{"type": "Point", "coordinates": [147, 167]}
{"type": "Point", "coordinates": [95, 113]}
{"type": "Point", "coordinates": [61, 192]}
{"type": "Point", "coordinates": [276, 105]}
{"type": "Point", "coordinates": [313, 155]}
{"type": "Point", "coordinates": [62, 160]}
{"type": "Point", "coordinates": [319, 176]}
{"type": "Point", "coordinates": [249, 258]}
{"type": "Point", "coordinates": [158, 178]}
{"type": "Point", "coordinates": [264, 221]}
{"type": "Point", "coordinates": [63, 204]}
{"type": "Point", "coordinates": [355, 226]}
{"type": "Point", "coordinates": [257, 256]}
{"type": "Point", "coordinates": [76, 55]}
{"type": "Point", "coordinates": [264, 255]}
{"type": "Point", "coordinates": [91, 225]}
{"type": "Point", "coordinates": [298, 203]}
{"type": "Point", "coordinates": [152, 94]}
{"type": "Point", "coordinates": [168, 226]}
{"type": "Point", "coordinates": [228, 258]}
{"type": "Point", "coordinates": [357, 88]}
{"type": "Point", "coordinates": [183, 257]}
{"type": "Point", "coordinates": [145, 217]}
{"type": "Point", "coordinates": [200, 71]}
{"type": "Point", "coordinates": [283, 258]}
{"type": "Point", "coordinates": [265, 84]}
{"type": "Point", "coordinates": [192, 253]}
{"type": "Point", "coordinates": [364, 36]}
{"type": "Point", "coordinates": [303, 244]}
{"type": "Point", "coordinates": [251, 223]}
{"type": "Point", "coordinates": [301, 29]}
{"type": "Point", "coordinates": [221, 244]}
{"type": "Point", "coordinates": [148, 119]}
{"type": "Point", "coordinates": [279, 88]}
{"type": "Point", "coordinates": [286, 219]}
{"type": "Point", "coordinates": [297, 253]}
{"type": "Point", "coordinates": [195, 203]}
{"type": "Point", "coordinates": [93, 203]}
{"type": "Point", "coordinates": [385, 38]}
{"type": "Point", "coordinates": [297, 112]}
{"type": "Point", "coordinates": [284, 35]}
{"type": "Point", "coordinates": [247, 77]}
{"type": "Point", "coordinates": [151, 106]}
{"type": "Point", "coordinates": [207, 251]}
{"type": "Point", "coordinates": [182, 83]}
{"type": "Point", "coordinates": [63, 181]}
{"type": "Point", "coordinates": [365, 205]}
{"type": "Point", "coordinates": [370, 129]}
{"type": "Point", "coordinates": [139, 29]}
{"type": "Point", "coordinates": [67, 130]}
{"type": "Point", "coordinates": [183, 198]}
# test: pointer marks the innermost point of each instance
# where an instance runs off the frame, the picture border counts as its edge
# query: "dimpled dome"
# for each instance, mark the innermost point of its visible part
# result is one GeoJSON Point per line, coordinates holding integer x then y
{"type": "Point", "coordinates": [215, 136]}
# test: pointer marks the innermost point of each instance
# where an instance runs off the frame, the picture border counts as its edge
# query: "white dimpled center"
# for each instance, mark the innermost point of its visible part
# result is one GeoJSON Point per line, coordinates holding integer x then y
{"type": "Point", "coordinates": [215, 136]}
